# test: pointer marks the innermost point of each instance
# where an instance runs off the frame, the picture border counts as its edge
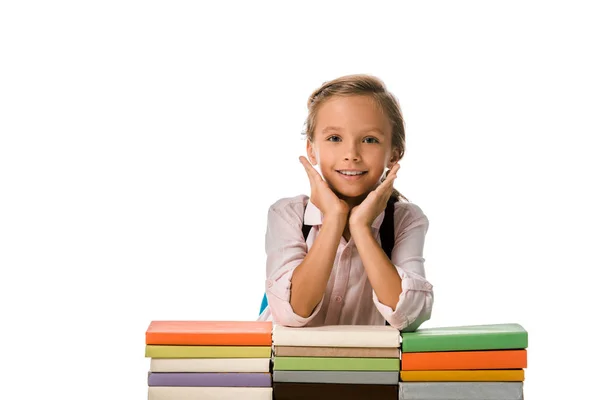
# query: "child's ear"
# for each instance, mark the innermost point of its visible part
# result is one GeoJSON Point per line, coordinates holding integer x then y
{"type": "Point", "coordinates": [394, 158]}
{"type": "Point", "coordinates": [310, 152]}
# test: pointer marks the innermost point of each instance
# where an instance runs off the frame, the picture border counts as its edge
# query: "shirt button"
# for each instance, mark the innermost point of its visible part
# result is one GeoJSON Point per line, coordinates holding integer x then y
{"type": "Point", "coordinates": [338, 298]}
{"type": "Point", "coordinates": [270, 284]}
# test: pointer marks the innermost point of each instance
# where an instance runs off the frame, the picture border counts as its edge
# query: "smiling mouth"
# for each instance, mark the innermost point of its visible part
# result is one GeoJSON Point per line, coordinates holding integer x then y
{"type": "Point", "coordinates": [351, 173]}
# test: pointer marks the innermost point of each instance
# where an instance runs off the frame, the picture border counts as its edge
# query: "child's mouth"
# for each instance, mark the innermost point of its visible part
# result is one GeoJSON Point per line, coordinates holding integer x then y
{"type": "Point", "coordinates": [352, 175]}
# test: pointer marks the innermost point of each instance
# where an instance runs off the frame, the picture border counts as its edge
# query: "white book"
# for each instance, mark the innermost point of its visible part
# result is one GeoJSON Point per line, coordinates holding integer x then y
{"type": "Point", "coordinates": [337, 336]}
{"type": "Point", "coordinates": [209, 364]}
{"type": "Point", "coordinates": [209, 393]}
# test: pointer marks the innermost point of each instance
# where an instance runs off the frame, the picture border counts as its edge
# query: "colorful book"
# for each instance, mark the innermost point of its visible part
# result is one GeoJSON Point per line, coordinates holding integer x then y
{"type": "Point", "coordinates": [335, 364]}
{"type": "Point", "coordinates": [461, 391]}
{"type": "Point", "coordinates": [209, 393]}
{"type": "Point", "coordinates": [472, 337]}
{"type": "Point", "coordinates": [491, 375]}
{"type": "Point", "coordinates": [331, 391]}
{"type": "Point", "coordinates": [212, 379]}
{"type": "Point", "coordinates": [354, 377]}
{"type": "Point", "coordinates": [210, 364]}
{"type": "Point", "coordinates": [210, 333]}
{"type": "Point", "coordinates": [337, 336]}
{"type": "Point", "coordinates": [157, 351]}
{"type": "Point", "coordinates": [456, 360]}
{"type": "Point", "coordinates": [356, 352]}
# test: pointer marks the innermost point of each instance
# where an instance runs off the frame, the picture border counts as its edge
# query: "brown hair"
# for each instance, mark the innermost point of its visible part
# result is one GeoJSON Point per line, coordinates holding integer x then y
{"type": "Point", "coordinates": [360, 84]}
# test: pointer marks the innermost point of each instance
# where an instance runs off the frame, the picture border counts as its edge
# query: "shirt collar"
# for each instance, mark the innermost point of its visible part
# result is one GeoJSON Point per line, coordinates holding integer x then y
{"type": "Point", "coordinates": [314, 216]}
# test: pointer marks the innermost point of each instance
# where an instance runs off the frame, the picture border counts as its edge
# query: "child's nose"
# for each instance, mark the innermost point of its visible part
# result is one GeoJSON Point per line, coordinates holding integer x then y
{"type": "Point", "coordinates": [352, 153]}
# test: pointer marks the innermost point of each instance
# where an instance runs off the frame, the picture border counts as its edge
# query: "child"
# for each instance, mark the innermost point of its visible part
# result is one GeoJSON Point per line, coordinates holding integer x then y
{"type": "Point", "coordinates": [340, 275]}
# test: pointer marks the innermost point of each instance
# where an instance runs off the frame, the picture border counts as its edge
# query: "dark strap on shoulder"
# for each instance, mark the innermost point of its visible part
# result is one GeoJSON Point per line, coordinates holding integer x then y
{"type": "Point", "coordinates": [306, 230]}
{"type": "Point", "coordinates": [386, 231]}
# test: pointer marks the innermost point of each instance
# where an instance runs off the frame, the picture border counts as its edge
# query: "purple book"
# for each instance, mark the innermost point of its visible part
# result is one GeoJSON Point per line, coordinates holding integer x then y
{"type": "Point", "coordinates": [223, 379]}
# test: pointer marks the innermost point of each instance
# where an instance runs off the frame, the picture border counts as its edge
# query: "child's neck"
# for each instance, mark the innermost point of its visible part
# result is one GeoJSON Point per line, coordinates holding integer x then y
{"type": "Point", "coordinates": [352, 202]}
{"type": "Point", "coordinates": [346, 233]}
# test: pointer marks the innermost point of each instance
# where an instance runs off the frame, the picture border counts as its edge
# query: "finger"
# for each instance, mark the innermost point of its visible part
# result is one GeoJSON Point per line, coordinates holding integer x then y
{"type": "Point", "coordinates": [307, 169]}
{"type": "Point", "coordinates": [392, 173]}
{"type": "Point", "coordinates": [389, 180]}
{"type": "Point", "coordinates": [313, 175]}
{"type": "Point", "coordinates": [385, 187]}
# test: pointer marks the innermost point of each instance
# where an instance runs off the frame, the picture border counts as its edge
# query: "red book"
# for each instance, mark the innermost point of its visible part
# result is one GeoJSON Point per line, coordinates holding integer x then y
{"type": "Point", "coordinates": [210, 333]}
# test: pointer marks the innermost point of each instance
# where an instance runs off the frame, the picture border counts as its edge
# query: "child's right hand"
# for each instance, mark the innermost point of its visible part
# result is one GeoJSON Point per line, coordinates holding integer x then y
{"type": "Point", "coordinates": [321, 194]}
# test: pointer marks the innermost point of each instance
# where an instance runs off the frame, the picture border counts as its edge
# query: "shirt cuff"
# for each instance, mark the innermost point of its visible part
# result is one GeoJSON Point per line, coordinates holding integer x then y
{"type": "Point", "coordinates": [414, 303]}
{"type": "Point", "coordinates": [278, 295]}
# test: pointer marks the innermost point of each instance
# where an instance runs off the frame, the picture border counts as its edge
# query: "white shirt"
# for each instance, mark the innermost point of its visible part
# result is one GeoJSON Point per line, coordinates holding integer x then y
{"type": "Point", "coordinates": [349, 298]}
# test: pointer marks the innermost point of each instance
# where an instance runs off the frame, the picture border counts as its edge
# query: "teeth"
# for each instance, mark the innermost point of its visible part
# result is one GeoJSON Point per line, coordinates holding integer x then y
{"type": "Point", "coordinates": [351, 172]}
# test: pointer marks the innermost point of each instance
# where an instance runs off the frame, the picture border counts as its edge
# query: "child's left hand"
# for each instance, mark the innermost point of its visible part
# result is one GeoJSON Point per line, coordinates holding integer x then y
{"type": "Point", "coordinates": [365, 213]}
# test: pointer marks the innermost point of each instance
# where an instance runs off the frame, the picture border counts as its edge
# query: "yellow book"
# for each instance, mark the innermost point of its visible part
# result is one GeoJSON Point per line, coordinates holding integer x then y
{"type": "Point", "coordinates": [488, 375]}
{"type": "Point", "coordinates": [162, 351]}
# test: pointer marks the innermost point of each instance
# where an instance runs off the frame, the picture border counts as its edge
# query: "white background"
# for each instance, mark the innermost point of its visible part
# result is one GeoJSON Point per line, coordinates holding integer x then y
{"type": "Point", "coordinates": [143, 142]}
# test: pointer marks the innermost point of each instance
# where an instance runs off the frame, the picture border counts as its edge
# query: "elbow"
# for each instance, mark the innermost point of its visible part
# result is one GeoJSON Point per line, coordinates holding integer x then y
{"type": "Point", "coordinates": [303, 302]}
{"type": "Point", "coordinates": [288, 320]}
{"type": "Point", "coordinates": [301, 310]}
{"type": "Point", "coordinates": [412, 310]}
{"type": "Point", "coordinates": [283, 314]}
{"type": "Point", "coordinates": [288, 310]}
{"type": "Point", "coordinates": [421, 317]}
{"type": "Point", "coordinates": [289, 323]}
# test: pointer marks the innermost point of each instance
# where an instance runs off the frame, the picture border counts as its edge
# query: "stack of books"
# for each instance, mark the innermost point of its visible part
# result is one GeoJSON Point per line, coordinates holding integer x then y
{"type": "Point", "coordinates": [333, 362]}
{"type": "Point", "coordinates": [464, 362]}
{"type": "Point", "coordinates": [209, 360]}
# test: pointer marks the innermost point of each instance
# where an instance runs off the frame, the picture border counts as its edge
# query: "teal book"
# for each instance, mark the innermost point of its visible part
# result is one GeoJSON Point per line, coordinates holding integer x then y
{"type": "Point", "coordinates": [335, 364]}
{"type": "Point", "coordinates": [470, 337]}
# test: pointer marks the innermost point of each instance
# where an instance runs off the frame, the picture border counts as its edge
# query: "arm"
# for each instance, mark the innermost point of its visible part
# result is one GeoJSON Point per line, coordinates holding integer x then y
{"type": "Point", "coordinates": [400, 291]}
{"type": "Point", "coordinates": [309, 279]}
{"type": "Point", "coordinates": [286, 255]}
{"type": "Point", "coordinates": [382, 274]}
{"type": "Point", "coordinates": [288, 264]}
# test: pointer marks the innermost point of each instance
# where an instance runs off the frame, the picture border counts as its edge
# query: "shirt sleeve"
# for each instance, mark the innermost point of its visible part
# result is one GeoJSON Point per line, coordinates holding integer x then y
{"type": "Point", "coordinates": [286, 248]}
{"type": "Point", "coordinates": [416, 300]}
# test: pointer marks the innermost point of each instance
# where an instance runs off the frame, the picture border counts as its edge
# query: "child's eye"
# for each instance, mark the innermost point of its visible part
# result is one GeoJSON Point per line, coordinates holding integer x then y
{"type": "Point", "coordinates": [334, 138]}
{"type": "Point", "coordinates": [371, 140]}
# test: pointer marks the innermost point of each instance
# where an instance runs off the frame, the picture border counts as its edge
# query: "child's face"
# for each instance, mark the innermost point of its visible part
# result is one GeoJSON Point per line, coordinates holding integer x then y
{"type": "Point", "coordinates": [351, 133]}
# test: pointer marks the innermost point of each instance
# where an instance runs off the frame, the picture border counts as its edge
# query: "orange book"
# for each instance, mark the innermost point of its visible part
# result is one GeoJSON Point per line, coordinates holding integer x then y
{"type": "Point", "coordinates": [460, 360]}
{"type": "Point", "coordinates": [483, 375]}
{"type": "Point", "coordinates": [210, 333]}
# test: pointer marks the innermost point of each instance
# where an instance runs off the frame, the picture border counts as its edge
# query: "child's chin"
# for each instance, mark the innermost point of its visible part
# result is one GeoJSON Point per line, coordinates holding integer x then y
{"type": "Point", "coordinates": [350, 193]}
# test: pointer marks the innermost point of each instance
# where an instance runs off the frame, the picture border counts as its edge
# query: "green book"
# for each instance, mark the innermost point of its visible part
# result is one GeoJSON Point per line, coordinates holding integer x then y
{"type": "Point", "coordinates": [470, 337]}
{"type": "Point", "coordinates": [335, 364]}
{"type": "Point", "coordinates": [161, 351]}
